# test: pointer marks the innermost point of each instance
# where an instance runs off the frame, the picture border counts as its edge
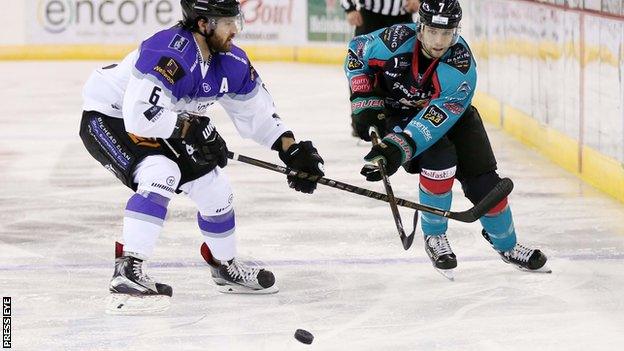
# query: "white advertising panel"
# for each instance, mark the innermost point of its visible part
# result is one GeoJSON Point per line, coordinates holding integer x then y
{"type": "Point", "coordinates": [97, 21]}
{"type": "Point", "coordinates": [130, 21]}
{"type": "Point", "coordinates": [273, 22]}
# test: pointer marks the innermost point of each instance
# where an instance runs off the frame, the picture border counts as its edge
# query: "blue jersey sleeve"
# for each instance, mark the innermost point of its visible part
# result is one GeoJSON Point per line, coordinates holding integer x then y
{"type": "Point", "coordinates": [455, 81]}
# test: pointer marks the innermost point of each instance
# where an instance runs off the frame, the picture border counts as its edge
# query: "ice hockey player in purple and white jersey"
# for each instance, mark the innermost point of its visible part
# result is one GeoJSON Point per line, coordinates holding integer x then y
{"type": "Point", "coordinates": [145, 120]}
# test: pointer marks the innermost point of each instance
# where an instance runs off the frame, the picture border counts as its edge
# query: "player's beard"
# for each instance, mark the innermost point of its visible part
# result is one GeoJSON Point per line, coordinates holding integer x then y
{"type": "Point", "coordinates": [217, 44]}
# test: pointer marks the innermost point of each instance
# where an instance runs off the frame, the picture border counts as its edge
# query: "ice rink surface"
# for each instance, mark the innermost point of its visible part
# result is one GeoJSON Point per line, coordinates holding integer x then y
{"type": "Point", "coordinates": [339, 263]}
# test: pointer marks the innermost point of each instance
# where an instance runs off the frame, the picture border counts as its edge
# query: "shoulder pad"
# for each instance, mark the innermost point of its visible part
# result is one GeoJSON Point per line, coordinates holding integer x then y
{"type": "Point", "coordinates": [459, 57]}
{"type": "Point", "coordinates": [173, 40]}
{"type": "Point", "coordinates": [395, 36]}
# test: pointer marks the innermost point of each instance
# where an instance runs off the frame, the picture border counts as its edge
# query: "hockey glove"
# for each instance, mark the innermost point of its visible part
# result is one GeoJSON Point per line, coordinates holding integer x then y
{"type": "Point", "coordinates": [303, 157]}
{"type": "Point", "coordinates": [363, 121]}
{"type": "Point", "coordinates": [210, 148]}
{"type": "Point", "coordinates": [395, 149]}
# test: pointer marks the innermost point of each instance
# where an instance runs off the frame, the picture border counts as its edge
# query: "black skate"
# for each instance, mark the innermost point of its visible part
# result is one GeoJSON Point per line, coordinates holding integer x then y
{"type": "Point", "coordinates": [134, 292]}
{"type": "Point", "coordinates": [235, 277]}
{"type": "Point", "coordinates": [523, 258]}
{"type": "Point", "coordinates": [439, 251]}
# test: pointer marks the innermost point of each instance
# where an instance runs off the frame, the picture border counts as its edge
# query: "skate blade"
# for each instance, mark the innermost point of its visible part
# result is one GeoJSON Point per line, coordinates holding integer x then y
{"type": "Point", "coordinates": [237, 289]}
{"type": "Point", "coordinates": [446, 273]}
{"type": "Point", "coordinates": [123, 304]}
{"type": "Point", "coordinates": [543, 270]}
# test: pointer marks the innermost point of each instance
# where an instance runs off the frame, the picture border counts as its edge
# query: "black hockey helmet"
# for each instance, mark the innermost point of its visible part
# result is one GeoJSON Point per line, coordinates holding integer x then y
{"type": "Point", "coordinates": [193, 9]}
{"type": "Point", "coordinates": [440, 13]}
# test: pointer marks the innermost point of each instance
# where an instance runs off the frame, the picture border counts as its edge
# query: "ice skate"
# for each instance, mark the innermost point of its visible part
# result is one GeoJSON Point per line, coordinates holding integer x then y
{"type": "Point", "coordinates": [132, 291]}
{"type": "Point", "coordinates": [235, 277]}
{"type": "Point", "coordinates": [523, 258]}
{"type": "Point", "coordinates": [439, 251]}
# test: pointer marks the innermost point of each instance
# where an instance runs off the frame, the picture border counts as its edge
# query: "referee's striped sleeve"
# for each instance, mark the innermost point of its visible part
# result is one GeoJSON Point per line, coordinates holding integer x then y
{"type": "Point", "coordinates": [348, 5]}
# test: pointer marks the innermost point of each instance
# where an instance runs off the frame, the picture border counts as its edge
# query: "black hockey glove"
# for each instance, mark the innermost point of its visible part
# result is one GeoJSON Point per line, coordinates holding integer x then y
{"type": "Point", "coordinates": [303, 157]}
{"type": "Point", "coordinates": [395, 149]}
{"type": "Point", "coordinates": [363, 121]}
{"type": "Point", "coordinates": [210, 148]}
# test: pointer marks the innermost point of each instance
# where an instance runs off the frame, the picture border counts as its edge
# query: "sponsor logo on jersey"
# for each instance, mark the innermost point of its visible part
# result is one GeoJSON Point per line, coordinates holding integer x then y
{"type": "Point", "coordinates": [435, 115]}
{"type": "Point", "coordinates": [169, 69]}
{"type": "Point", "coordinates": [353, 61]}
{"type": "Point", "coordinates": [422, 129]}
{"type": "Point", "coordinates": [206, 87]}
{"type": "Point", "coordinates": [179, 43]}
{"type": "Point", "coordinates": [459, 57]}
{"type": "Point", "coordinates": [454, 107]}
{"type": "Point", "coordinates": [461, 94]}
{"type": "Point", "coordinates": [361, 104]}
{"type": "Point", "coordinates": [153, 113]}
{"type": "Point", "coordinates": [395, 36]}
{"type": "Point", "coordinates": [361, 84]}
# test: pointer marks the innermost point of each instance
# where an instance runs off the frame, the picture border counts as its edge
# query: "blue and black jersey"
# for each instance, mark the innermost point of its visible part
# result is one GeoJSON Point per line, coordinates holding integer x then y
{"type": "Point", "coordinates": [422, 97]}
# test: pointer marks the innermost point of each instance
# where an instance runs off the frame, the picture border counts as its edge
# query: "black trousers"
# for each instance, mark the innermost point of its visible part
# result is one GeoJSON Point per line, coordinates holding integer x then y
{"type": "Point", "coordinates": [120, 152]}
{"type": "Point", "coordinates": [373, 21]}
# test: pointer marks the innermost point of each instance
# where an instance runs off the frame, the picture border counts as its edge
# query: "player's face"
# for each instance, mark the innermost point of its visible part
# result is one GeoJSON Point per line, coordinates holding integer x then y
{"type": "Point", "coordinates": [436, 40]}
{"type": "Point", "coordinates": [225, 29]}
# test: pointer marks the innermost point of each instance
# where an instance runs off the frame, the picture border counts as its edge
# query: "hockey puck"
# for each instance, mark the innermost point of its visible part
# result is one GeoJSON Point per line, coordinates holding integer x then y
{"type": "Point", "coordinates": [304, 336]}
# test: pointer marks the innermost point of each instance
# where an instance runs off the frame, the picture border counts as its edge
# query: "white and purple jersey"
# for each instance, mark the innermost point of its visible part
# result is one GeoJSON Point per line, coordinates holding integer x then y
{"type": "Point", "coordinates": [167, 75]}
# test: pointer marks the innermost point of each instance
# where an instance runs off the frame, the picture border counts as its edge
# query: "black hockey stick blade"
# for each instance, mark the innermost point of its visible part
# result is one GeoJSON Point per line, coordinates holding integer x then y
{"type": "Point", "coordinates": [405, 240]}
{"type": "Point", "coordinates": [496, 195]}
{"type": "Point", "coordinates": [410, 238]}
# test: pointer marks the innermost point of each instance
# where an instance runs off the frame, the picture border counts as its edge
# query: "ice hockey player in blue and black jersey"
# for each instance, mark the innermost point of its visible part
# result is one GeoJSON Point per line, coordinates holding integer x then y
{"type": "Point", "coordinates": [415, 83]}
{"type": "Point", "coordinates": [145, 120]}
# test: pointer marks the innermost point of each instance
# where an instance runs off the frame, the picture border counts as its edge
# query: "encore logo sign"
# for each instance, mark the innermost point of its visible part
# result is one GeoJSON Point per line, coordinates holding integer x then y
{"type": "Point", "coordinates": [56, 16]}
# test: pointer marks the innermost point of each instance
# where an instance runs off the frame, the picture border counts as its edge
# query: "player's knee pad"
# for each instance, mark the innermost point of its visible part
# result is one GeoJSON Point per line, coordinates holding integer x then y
{"type": "Point", "coordinates": [211, 193]}
{"type": "Point", "coordinates": [500, 229]}
{"type": "Point", "coordinates": [435, 191]}
{"type": "Point", "coordinates": [157, 174]}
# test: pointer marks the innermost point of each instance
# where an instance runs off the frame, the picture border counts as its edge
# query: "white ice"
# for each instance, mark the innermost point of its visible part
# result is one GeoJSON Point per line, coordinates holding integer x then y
{"type": "Point", "coordinates": [339, 263]}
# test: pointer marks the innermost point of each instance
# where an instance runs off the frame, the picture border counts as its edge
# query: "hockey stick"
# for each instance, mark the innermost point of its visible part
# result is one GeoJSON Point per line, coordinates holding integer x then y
{"type": "Point", "coordinates": [405, 240]}
{"type": "Point", "coordinates": [502, 189]}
